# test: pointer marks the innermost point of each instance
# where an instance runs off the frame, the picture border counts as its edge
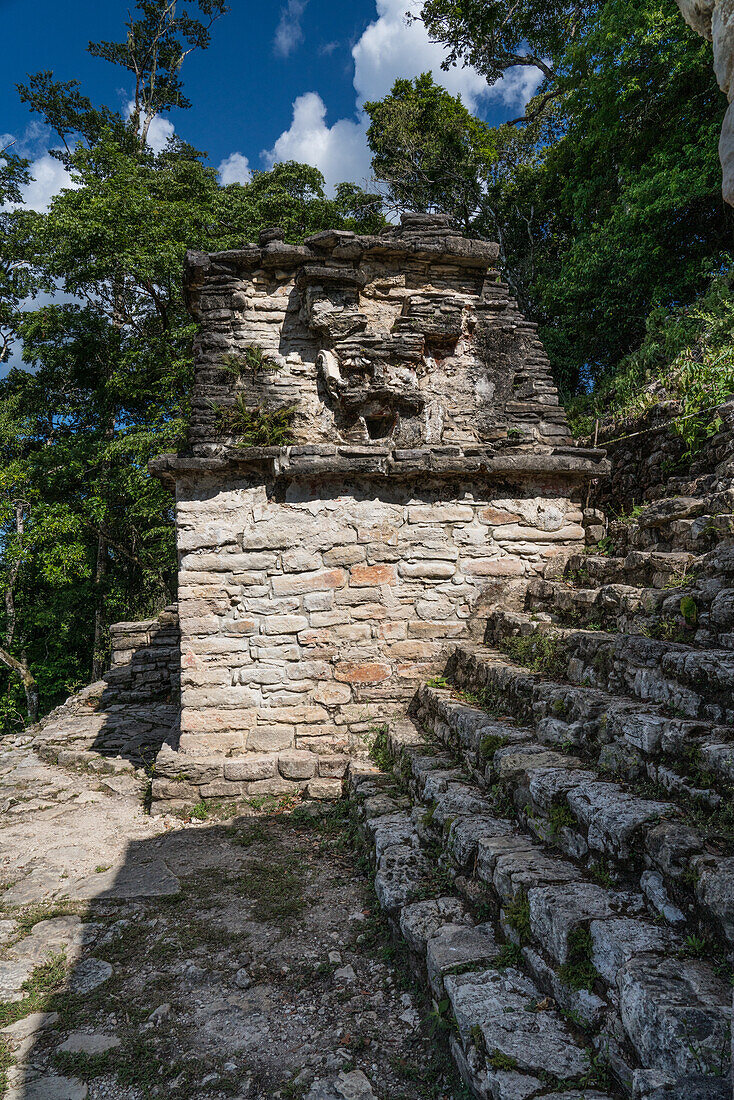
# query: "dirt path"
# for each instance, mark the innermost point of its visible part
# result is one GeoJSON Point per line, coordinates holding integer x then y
{"type": "Point", "coordinates": [149, 957]}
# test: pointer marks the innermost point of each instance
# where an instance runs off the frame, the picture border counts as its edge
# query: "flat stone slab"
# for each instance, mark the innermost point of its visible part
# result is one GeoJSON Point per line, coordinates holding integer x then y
{"type": "Point", "coordinates": [456, 947]}
{"type": "Point", "coordinates": [423, 920]}
{"type": "Point", "coordinates": [346, 1086]}
{"type": "Point", "coordinates": [145, 880]}
{"type": "Point", "coordinates": [401, 870]}
{"type": "Point", "coordinates": [676, 1013]}
{"type": "Point", "coordinates": [617, 940]}
{"type": "Point", "coordinates": [29, 1025]}
{"type": "Point", "coordinates": [49, 1088]}
{"type": "Point", "coordinates": [555, 913]}
{"type": "Point", "coordinates": [88, 975]}
{"type": "Point", "coordinates": [694, 1088]}
{"type": "Point", "coordinates": [80, 1042]}
{"type": "Point", "coordinates": [466, 832]}
{"type": "Point", "coordinates": [392, 829]}
{"type": "Point", "coordinates": [46, 938]}
{"type": "Point", "coordinates": [497, 1003]}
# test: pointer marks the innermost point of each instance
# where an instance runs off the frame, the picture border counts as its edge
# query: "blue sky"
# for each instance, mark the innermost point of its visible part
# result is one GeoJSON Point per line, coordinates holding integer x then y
{"type": "Point", "coordinates": [282, 79]}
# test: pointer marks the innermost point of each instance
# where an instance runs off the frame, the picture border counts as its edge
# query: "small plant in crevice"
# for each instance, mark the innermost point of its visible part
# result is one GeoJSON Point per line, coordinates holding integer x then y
{"type": "Point", "coordinates": [541, 652]}
{"type": "Point", "coordinates": [253, 359]}
{"type": "Point", "coordinates": [604, 548]}
{"type": "Point", "coordinates": [510, 954]}
{"type": "Point", "coordinates": [484, 699]}
{"type": "Point", "coordinates": [579, 971]}
{"type": "Point", "coordinates": [599, 873]}
{"type": "Point", "coordinates": [257, 427]}
{"type": "Point", "coordinates": [502, 803]}
{"type": "Point", "coordinates": [517, 915]}
{"type": "Point", "coordinates": [39, 990]}
{"type": "Point", "coordinates": [694, 947]}
{"type": "Point", "coordinates": [427, 817]}
{"type": "Point", "coordinates": [440, 1019]}
{"type": "Point", "coordinates": [489, 745]}
{"type": "Point", "coordinates": [438, 682]}
{"type": "Point", "coordinates": [630, 517]}
{"type": "Point", "coordinates": [693, 768]}
{"type": "Point", "coordinates": [560, 817]}
{"type": "Point", "coordinates": [689, 611]}
{"type": "Point", "coordinates": [668, 629]}
{"type": "Point", "coordinates": [380, 750]}
{"type": "Point", "coordinates": [497, 1059]}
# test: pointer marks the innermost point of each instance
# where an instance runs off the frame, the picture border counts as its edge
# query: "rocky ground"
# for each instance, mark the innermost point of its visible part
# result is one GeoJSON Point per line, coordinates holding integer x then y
{"type": "Point", "coordinates": [239, 957]}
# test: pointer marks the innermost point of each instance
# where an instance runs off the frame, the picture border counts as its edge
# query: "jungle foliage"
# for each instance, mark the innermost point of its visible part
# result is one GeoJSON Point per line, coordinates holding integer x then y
{"type": "Point", "coordinates": [86, 535]}
{"type": "Point", "coordinates": [605, 197]}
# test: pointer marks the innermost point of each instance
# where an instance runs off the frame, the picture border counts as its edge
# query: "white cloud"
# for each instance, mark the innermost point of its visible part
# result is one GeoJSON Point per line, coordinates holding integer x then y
{"type": "Point", "coordinates": [339, 151]}
{"type": "Point", "coordinates": [49, 177]}
{"type": "Point", "coordinates": [160, 130]}
{"type": "Point", "coordinates": [234, 169]}
{"type": "Point", "coordinates": [34, 140]}
{"type": "Point", "coordinates": [391, 47]}
{"type": "Point", "coordinates": [289, 33]}
{"type": "Point", "coordinates": [48, 174]}
{"type": "Point", "coordinates": [160, 133]}
{"type": "Point", "coordinates": [518, 86]}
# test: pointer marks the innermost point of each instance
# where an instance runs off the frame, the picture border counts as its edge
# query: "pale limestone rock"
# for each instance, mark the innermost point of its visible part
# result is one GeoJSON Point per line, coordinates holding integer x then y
{"type": "Point", "coordinates": [698, 15]}
{"type": "Point", "coordinates": [714, 20]}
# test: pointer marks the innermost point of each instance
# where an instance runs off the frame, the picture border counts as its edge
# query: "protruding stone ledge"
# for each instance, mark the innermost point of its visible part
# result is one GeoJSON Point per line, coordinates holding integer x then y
{"type": "Point", "coordinates": [427, 240]}
{"type": "Point", "coordinates": [567, 465]}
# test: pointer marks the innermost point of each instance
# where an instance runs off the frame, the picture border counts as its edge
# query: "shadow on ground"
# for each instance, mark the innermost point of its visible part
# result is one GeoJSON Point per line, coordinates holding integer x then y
{"type": "Point", "coordinates": [95, 724]}
{"type": "Point", "coordinates": [240, 958]}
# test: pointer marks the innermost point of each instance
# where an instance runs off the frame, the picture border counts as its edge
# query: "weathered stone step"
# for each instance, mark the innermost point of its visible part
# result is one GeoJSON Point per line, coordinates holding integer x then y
{"type": "Point", "coordinates": [566, 802]}
{"type": "Point", "coordinates": [699, 613]}
{"type": "Point", "coordinates": [639, 1007]}
{"type": "Point", "coordinates": [640, 568]}
{"type": "Point", "coordinates": [510, 1040]}
{"type": "Point", "coordinates": [698, 683]}
{"type": "Point", "coordinates": [632, 739]}
{"type": "Point", "coordinates": [692, 851]}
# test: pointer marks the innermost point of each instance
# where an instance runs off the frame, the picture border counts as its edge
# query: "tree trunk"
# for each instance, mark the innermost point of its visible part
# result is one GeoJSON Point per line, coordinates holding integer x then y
{"type": "Point", "coordinates": [99, 577]}
{"type": "Point", "coordinates": [20, 666]}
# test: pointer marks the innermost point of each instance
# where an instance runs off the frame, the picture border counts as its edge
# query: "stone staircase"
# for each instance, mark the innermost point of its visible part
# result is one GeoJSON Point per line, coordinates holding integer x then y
{"type": "Point", "coordinates": [553, 831]}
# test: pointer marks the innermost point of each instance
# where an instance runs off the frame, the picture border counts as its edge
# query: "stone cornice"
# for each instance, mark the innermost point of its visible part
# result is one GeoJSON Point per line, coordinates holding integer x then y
{"type": "Point", "coordinates": [567, 465]}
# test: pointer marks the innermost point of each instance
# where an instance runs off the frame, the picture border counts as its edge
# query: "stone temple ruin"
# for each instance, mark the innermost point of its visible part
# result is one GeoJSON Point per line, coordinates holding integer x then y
{"type": "Point", "coordinates": [376, 452]}
{"type": "Point", "coordinates": [383, 528]}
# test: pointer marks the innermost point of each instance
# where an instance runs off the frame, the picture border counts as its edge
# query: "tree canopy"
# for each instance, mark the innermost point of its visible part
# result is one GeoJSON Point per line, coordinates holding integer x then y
{"type": "Point", "coordinates": [606, 201]}
{"type": "Point", "coordinates": [86, 535]}
{"type": "Point", "coordinates": [430, 150]}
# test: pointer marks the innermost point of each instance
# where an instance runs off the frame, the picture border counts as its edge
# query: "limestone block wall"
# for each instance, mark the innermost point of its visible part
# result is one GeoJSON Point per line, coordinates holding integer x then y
{"type": "Point", "coordinates": [309, 615]}
{"type": "Point", "coordinates": [145, 661]}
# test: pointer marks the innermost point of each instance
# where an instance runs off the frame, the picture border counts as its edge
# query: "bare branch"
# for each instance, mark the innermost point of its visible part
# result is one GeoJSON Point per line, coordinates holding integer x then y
{"type": "Point", "coordinates": [539, 106]}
